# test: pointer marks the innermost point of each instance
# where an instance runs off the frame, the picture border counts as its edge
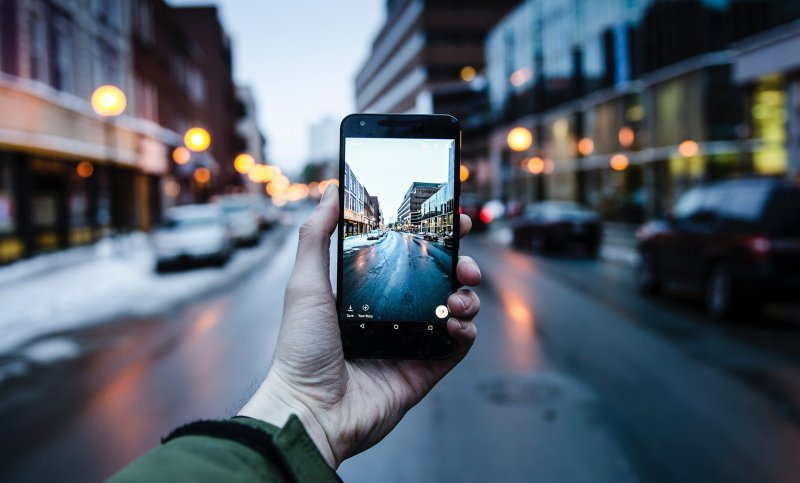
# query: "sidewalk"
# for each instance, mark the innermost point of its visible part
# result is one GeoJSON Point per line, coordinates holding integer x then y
{"type": "Point", "coordinates": [105, 281]}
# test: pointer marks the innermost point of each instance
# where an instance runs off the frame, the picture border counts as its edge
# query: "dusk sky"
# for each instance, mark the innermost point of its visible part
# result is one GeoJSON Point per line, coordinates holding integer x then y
{"type": "Point", "coordinates": [387, 167]}
{"type": "Point", "coordinates": [301, 58]}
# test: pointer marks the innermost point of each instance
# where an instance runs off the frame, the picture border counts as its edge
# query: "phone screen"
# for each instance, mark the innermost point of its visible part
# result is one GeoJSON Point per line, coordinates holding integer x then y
{"type": "Point", "coordinates": [398, 231]}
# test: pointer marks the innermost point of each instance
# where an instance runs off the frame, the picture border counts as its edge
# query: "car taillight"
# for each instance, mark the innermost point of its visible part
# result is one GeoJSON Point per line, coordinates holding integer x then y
{"type": "Point", "coordinates": [486, 216]}
{"type": "Point", "coordinates": [759, 245]}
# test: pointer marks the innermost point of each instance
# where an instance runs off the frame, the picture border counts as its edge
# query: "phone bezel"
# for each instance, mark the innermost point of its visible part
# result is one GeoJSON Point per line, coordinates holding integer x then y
{"type": "Point", "coordinates": [398, 339]}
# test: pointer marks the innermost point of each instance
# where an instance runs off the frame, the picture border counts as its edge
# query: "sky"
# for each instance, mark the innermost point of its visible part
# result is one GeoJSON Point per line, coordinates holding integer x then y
{"type": "Point", "coordinates": [301, 58]}
{"type": "Point", "coordinates": [387, 167]}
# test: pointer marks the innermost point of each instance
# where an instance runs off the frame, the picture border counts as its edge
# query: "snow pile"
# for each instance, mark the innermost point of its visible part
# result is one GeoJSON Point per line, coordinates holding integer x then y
{"type": "Point", "coordinates": [112, 279]}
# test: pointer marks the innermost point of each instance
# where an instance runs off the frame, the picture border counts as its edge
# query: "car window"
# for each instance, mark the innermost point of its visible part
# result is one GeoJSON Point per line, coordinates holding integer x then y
{"type": "Point", "coordinates": [688, 204]}
{"type": "Point", "coordinates": [715, 200]}
{"type": "Point", "coordinates": [182, 223]}
{"type": "Point", "coordinates": [746, 204]}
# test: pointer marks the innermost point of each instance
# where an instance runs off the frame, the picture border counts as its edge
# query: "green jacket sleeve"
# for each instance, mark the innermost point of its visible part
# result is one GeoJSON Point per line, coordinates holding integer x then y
{"type": "Point", "coordinates": [200, 458]}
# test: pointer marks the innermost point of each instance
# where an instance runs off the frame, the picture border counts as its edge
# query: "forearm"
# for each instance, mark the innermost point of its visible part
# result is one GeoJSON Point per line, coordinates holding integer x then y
{"type": "Point", "coordinates": [241, 449]}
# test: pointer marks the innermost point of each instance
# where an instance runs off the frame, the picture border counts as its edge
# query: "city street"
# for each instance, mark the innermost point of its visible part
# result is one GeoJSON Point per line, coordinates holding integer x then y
{"type": "Point", "coordinates": [398, 276]}
{"type": "Point", "coordinates": [574, 377]}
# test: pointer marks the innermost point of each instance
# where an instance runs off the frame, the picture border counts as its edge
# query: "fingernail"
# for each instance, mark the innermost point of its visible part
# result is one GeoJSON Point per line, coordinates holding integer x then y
{"type": "Point", "coordinates": [462, 325]}
{"type": "Point", "coordinates": [465, 302]}
{"type": "Point", "coordinates": [476, 269]}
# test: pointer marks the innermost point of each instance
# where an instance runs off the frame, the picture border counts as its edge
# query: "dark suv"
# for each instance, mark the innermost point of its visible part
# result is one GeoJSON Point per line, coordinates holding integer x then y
{"type": "Point", "coordinates": [736, 242]}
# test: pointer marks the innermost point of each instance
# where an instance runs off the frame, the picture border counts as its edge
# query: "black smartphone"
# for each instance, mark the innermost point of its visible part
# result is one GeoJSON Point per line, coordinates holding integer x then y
{"type": "Point", "coordinates": [398, 234]}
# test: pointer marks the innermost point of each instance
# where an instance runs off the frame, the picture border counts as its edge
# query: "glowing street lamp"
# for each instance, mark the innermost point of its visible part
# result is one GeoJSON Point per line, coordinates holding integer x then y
{"type": "Point", "coordinates": [519, 139]}
{"type": "Point", "coordinates": [464, 173]}
{"type": "Point", "coordinates": [109, 101]}
{"type": "Point", "coordinates": [197, 139]}
{"type": "Point", "coordinates": [619, 162]}
{"type": "Point", "coordinates": [202, 175]}
{"type": "Point", "coordinates": [243, 163]}
{"type": "Point", "coordinates": [688, 148]}
{"type": "Point", "coordinates": [181, 155]}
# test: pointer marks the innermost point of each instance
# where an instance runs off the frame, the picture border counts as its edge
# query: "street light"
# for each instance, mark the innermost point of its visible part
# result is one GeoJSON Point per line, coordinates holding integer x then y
{"type": "Point", "coordinates": [109, 101]}
{"type": "Point", "coordinates": [619, 162]}
{"type": "Point", "coordinates": [688, 148]}
{"type": "Point", "coordinates": [519, 139]}
{"type": "Point", "coordinates": [197, 139]}
{"type": "Point", "coordinates": [243, 163]}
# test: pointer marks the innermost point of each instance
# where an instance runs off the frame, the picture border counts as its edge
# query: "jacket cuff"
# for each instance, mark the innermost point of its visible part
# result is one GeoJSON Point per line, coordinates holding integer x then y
{"type": "Point", "coordinates": [297, 449]}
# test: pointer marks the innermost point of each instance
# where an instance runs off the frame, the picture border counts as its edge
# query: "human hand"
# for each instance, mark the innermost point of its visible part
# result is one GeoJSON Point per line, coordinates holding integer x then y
{"type": "Point", "coordinates": [346, 406]}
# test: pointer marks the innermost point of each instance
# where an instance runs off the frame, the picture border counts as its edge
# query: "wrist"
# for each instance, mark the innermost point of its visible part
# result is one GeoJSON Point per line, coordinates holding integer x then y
{"type": "Point", "coordinates": [273, 403]}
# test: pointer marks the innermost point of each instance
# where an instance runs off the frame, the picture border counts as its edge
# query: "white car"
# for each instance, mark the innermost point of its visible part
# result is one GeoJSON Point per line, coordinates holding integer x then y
{"type": "Point", "coordinates": [243, 220]}
{"type": "Point", "coordinates": [192, 233]}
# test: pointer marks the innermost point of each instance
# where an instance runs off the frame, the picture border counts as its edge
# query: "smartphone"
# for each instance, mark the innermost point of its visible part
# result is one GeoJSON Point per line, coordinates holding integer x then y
{"type": "Point", "coordinates": [398, 234]}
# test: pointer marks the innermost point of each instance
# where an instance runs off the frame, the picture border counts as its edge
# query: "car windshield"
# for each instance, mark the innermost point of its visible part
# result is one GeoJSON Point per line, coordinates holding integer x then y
{"type": "Point", "coordinates": [190, 222]}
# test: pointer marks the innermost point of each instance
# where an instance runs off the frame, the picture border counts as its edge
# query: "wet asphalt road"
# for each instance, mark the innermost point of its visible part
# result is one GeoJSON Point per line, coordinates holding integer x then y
{"type": "Point", "coordinates": [574, 378]}
{"type": "Point", "coordinates": [400, 277]}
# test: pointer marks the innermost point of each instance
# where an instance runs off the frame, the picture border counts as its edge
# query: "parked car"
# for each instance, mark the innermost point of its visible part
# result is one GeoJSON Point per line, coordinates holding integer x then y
{"type": "Point", "coordinates": [268, 214]}
{"type": "Point", "coordinates": [192, 233]}
{"type": "Point", "coordinates": [556, 225]}
{"type": "Point", "coordinates": [243, 219]}
{"type": "Point", "coordinates": [430, 236]}
{"type": "Point", "coordinates": [374, 235]}
{"type": "Point", "coordinates": [448, 239]}
{"type": "Point", "coordinates": [735, 242]}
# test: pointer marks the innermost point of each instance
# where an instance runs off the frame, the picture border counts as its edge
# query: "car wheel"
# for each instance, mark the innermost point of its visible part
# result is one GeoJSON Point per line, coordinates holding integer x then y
{"type": "Point", "coordinates": [719, 291]}
{"type": "Point", "coordinates": [647, 279]}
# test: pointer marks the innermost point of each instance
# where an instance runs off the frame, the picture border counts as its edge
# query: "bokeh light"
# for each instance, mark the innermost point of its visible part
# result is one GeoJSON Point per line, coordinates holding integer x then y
{"type": "Point", "coordinates": [463, 173]}
{"type": "Point", "coordinates": [202, 175]}
{"type": "Point", "coordinates": [243, 163]}
{"type": "Point", "coordinates": [688, 148]}
{"type": "Point", "coordinates": [535, 165]}
{"type": "Point", "coordinates": [626, 137]}
{"type": "Point", "coordinates": [519, 139]}
{"type": "Point", "coordinates": [109, 101]}
{"type": "Point", "coordinates": [468, 73]}
{"type": "Point", "coordinates": [85, 169]}
{"type": "Point", "coordinates": [197, 139]}
{"type": "Point", "coordinates": [172, 188]}
{"type": "Point", "coordinates": [181, 155]}
{"type": "Point", "coordinates": [619, 162]}
{"type": "Point", "coordinates": [585, 146]}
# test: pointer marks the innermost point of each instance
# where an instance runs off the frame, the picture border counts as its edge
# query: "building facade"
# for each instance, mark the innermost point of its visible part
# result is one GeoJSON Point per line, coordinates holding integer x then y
{"type": "Point", "coordinates": [409, 215]}
{"type": "Point", "coordinates": [436, 213]}
{"type": "Point", "coordinates": [221, 110]}
{"type": "Point", "coordinates": [252, 134]}
{"type": "Point", "coordinates": [67, 175]}
{"type": "Point", "coordinates": [626, 110]}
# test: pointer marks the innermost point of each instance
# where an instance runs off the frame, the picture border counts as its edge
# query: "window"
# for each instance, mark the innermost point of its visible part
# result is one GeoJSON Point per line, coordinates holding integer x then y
{"type": "Point", "coordinates": [38, 46]}
{"type": "Point", "coordinates": [106, 65]}
{"type": "Point", "coordinates": [61, 76]}
{"type": "Point", "coordinates": [144, 21]}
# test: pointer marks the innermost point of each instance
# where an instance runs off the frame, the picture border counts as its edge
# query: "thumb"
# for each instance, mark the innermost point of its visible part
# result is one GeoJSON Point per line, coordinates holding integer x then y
{"type": "Point", "coordinates": [313, 248]}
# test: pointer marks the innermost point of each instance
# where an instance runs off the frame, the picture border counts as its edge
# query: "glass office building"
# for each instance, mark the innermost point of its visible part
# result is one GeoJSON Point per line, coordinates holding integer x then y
{"type": "Point", "coordinates": [629, 101]}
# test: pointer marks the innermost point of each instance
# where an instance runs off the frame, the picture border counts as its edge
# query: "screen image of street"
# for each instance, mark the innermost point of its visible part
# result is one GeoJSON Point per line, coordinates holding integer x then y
{"type": "Point", "coordinates": [398, 229]}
